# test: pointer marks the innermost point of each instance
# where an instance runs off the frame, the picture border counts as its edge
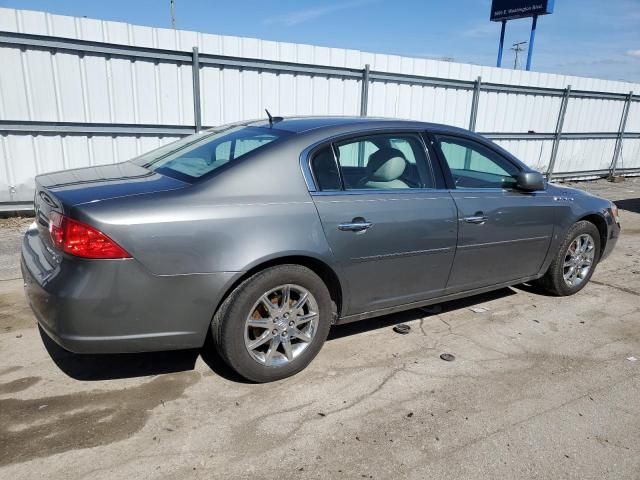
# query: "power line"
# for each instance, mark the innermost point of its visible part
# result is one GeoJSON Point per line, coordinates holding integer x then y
{"type": "Point", "coordinates": [517, 48]}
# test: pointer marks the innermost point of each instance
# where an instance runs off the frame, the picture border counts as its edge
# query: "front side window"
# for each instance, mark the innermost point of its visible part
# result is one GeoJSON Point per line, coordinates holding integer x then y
{"type": "Point", "coordinates": [473, 165]}
{"type": "Point", "coordinates": [197, 155]}
{"type": "Point", "coordinates": [380, 161]}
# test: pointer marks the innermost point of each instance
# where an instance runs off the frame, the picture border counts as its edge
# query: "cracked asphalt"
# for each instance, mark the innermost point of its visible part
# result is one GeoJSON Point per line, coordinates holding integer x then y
{"type": "Point", "coordinates": [540, 387]}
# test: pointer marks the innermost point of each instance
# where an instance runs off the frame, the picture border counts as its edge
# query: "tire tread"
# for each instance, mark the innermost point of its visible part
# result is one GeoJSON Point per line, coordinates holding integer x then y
{"type": "Point", "coordinates": [244, 292]}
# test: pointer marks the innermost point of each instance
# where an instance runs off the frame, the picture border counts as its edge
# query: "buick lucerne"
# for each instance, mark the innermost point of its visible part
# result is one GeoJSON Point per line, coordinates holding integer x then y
{"type": "Point", "coordinates": [263, 234]}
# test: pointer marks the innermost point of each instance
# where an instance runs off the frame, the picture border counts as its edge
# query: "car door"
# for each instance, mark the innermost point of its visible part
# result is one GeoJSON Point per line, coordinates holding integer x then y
{"type": "Point", "coordinates": [503, 234]}
{"type": "Point", "coordinates": [391, 231]}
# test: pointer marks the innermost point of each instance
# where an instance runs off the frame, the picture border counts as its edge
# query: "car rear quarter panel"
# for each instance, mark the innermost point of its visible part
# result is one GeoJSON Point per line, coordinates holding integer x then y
{"type": "Point", "coordinates": [258, 210]}
{"type": "Point", "coordinates": [94, 306]}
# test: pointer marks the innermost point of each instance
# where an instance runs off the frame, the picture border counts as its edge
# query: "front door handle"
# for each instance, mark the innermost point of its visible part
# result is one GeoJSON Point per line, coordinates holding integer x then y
{"type": "Point", "coordinates": [356, 225]}
{"type": "Point", "coordinates": [478, 219]}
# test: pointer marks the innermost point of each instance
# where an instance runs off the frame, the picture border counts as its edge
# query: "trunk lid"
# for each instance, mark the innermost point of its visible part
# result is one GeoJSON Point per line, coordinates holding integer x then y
{"type": "Point", "coordinates": [60, 191]}
{"type": "Point", "coordinates": [91, 184]}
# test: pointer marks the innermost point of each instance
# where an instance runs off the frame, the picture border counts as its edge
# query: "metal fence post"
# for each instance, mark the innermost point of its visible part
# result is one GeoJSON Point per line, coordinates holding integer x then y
{"type": "Point", "coordinates": [364, 92]}
{"type": "Point", "coordinates": [558, 132]}
{"type": "Point", "coordinates": [620, 137]}
{"type": "Point", "coordinates": [195, 73]}
{"type": "Point", "coordinates": [472, 119]}
{"type": "Point", "coordinates": [474, 104]}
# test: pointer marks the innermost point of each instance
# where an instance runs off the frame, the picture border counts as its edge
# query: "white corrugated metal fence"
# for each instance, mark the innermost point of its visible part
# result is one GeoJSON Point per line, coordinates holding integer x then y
{"type": "Point", "coordinates": [76, 92]}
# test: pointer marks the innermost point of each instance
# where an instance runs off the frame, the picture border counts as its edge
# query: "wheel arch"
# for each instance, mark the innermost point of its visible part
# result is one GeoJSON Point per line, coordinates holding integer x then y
{"type": "Point", "coordinates": [601, 224]}
{"type": "Point", "coordinates": [326, 273]}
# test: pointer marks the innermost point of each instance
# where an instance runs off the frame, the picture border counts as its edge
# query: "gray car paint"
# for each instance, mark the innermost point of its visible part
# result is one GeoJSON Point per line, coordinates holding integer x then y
{"type": "Point", "coordinates": [191, 244]}
{"type": "Point", "coordinates": [405, 256]}
{"type": "Point", "coordinates": [519, 226]}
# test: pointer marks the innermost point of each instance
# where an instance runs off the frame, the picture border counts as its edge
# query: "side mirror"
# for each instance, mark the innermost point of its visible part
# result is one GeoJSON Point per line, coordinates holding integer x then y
{"type": "Point", "coordinates": [530, 181]}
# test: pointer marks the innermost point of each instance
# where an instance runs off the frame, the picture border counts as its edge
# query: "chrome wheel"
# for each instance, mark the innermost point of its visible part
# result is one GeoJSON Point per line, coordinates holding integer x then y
{"type": "Point", "coordinates": [281, 325]}
{"type": "Point", "coordinates": [578, 260]}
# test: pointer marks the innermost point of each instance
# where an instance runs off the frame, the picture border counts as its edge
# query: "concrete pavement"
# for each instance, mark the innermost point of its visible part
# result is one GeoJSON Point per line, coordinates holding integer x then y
{"type": "Point", "coordinates": [541, 387]}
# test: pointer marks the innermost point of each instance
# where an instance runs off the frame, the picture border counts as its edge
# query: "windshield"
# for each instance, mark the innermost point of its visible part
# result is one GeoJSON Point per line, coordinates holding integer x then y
{"type": "Point", "coordinates": [197, 155]}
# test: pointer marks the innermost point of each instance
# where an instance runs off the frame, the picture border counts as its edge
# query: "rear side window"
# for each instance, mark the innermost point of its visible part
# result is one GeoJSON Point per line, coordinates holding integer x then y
{"type": "Point", "coordinates": [325, 170]}
{"type": "Point", "coordinates": [198, 155]}
{"type": "Point", "coordinates": [384, 162]}
{"type": "Point", "coordinates": [405, 147]}
{"type": "Point", "coordinates": [356, 154]}
{"type": "Point", "coordinates": [374, 162]}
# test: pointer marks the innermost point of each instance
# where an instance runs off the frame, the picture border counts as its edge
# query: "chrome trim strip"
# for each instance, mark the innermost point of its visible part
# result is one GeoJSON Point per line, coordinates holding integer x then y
{"type": "Point", "coordinates": [502, 242]}
{"type": "Point", "coordinates": [412, 253]}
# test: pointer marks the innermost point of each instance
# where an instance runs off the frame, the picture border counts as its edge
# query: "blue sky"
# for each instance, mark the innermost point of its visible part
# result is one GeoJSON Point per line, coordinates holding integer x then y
{"type": "Point", "coordinates": [599, 38]}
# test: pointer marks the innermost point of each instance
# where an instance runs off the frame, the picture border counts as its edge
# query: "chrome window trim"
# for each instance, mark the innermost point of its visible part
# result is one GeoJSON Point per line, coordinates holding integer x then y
{"type": "Point", "coordinates": [523, 193]}
{"type": "Point", "coordinates": [375, 191]}
{"type": "Point", "coordinates": [408, 191]}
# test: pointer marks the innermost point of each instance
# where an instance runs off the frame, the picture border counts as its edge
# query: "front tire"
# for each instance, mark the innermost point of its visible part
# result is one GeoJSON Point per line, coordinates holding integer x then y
{"type": "Point", "coordinates": [574, 264]}
{"type": "Point", "coordinates": [274, 323]}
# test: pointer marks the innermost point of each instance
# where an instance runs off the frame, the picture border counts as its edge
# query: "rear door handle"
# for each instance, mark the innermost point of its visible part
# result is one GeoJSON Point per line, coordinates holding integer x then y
{"type": "Point", "coordinates": [355, 226]}
{"type": "Point", "coordinates": [478, 219]}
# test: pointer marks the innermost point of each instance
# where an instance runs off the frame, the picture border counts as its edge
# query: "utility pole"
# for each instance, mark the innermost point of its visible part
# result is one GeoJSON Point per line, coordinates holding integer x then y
{"type": "Point", "coordinates": [517, 48]}
{"type": "Point", "coordinates": [172, 4]}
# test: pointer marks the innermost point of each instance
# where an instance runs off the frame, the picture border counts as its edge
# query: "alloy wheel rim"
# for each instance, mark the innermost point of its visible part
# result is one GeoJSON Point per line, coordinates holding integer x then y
{"type": "Point", "coordinates": [578, 260]}
{"type": "Point", "coordinates": [281, 325]}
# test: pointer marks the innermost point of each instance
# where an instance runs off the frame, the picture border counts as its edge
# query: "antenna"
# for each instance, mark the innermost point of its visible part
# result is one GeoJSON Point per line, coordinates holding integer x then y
{"type": "Point", "coordinates": [273, 119]}
{"type": "Point", "coordinates": [517, 48]}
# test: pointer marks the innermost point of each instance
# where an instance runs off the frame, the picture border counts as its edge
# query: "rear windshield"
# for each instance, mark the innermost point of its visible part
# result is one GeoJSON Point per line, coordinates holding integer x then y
{"type": "Point", "coordinates": [193, 157]}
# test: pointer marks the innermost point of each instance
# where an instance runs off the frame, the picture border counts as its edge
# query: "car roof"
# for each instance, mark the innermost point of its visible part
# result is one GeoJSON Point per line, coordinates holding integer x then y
{"type": "Point", "coordinates": [307, 124]}
{"type": "Point", "coordinates": [310, 130]}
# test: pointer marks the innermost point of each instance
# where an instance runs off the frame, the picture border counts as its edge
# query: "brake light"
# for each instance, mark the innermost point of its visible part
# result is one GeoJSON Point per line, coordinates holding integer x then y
{"type": "Point", "coordinates": [81, 240]}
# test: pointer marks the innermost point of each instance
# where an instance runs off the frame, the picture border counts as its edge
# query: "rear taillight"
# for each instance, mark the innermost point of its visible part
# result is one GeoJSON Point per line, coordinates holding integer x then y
{"type": "Point", "coordinates": [81, 240]}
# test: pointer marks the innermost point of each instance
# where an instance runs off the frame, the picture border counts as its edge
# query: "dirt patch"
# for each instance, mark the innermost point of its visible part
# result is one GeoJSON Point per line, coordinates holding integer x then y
{"type": "Point", "coordinates": [15, 223]}
{"type": "Point", "coordinates": [15, 313]}
{"type": "Point", "coordinates": [7, 371]}
{"type": "Point", "coordinates": [18, 385]}
{"type": "Point", "coordinates": [49, 425]}
{"type": "Point", "coordinates": [11, 232]}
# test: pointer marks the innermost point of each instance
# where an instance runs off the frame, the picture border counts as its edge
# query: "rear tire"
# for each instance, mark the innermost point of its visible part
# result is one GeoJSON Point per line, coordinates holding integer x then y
{"type": "Point", "coordinates": [572, 268]}
{"type": "Point", "coordinates": [264, 337]}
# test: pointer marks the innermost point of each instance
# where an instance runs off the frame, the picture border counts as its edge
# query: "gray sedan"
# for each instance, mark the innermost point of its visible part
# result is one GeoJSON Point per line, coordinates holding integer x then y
{"type": "Point", "coordinates": [266, 233]}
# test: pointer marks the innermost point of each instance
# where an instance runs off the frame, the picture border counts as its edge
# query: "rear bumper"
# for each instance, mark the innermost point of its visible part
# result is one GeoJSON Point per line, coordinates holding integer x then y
{"type": "Point", "coordinates": [117, 306]}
